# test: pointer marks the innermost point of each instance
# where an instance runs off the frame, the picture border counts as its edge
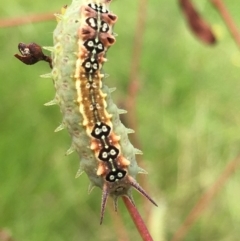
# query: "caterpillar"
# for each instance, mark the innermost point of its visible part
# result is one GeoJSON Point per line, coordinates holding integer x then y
{"type": "Point", "coordinates": [83, 35]}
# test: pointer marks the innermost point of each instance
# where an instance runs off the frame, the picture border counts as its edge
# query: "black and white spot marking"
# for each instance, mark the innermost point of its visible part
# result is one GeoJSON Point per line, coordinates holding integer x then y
{"type": "Point", "coordinates": [104, 27]}
{"type": "Point", "coordinates": [100, 130]}
{"type": "Point", "coordinates": [115, 176]}
{"type": "Point", "coordinates": [92, 22]}
{"type": "Point", "coordinates": [94, 45]}
{"type": "Point", "coordinates": [98, 8]}
{"type": "Point", "coordinates": [91, 65]}
{"type": "Point", "coordinates": [108, 153]}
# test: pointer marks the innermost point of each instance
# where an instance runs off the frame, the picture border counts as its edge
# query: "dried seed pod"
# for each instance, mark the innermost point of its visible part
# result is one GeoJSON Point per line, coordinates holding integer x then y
{"type": "Point", "coordinates": [31, 54]}
{"type": "Point", "coordinates": [197, 24]}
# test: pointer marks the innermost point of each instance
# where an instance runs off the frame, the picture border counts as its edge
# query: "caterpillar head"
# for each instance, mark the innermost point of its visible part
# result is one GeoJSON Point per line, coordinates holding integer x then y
{"type": "Point", "coordinates": [119, 188]}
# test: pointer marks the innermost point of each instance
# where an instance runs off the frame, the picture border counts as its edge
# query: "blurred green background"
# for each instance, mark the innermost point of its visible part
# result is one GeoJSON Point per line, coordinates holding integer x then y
{"type": "Point", "coordinates": [188, 120]}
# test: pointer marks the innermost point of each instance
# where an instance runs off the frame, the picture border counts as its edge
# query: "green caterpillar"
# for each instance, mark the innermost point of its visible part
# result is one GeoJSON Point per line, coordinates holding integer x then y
{"type": "Point", "coordinates": [81, 39]}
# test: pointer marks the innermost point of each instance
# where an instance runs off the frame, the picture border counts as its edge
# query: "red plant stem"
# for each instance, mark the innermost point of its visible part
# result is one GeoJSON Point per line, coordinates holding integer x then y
{"type": "Point", "coordinates": [134, 86]}
{"type": "Point", "coordinates": [228, 20]}
{"type": "Point", "coordinates": [205, 200]}
{"type": "Point", "coordinates": [138, 221]}
{"type": "Point", "coordinates": [119, 226]}
{"type": "Point", "coordinates": [12, 22]}
{"type": "Point", "coordinates": [135, 62]}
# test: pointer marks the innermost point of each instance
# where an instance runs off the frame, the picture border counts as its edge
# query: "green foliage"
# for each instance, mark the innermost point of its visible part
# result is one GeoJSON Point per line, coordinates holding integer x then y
{"type": "Point", "coordinates": [188, 125]}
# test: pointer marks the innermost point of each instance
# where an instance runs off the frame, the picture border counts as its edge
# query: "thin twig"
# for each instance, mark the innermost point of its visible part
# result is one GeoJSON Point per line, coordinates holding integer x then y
{"type": "Point", "coordinates": [219, 5]}
{"type": "Point", "coordinates": [5, 235]}
{"type": "Point", "coordinates": [135, 62]}
{"type": "Point", "coordinates": [119, 227]}
{"type": "Point", "coordinates": [138, 221]}
{"type": "Point", "coordinates": [134, 86]}
{"type": "Point", "coordinates": [206, 199]}
{"type": "Point", "coordinates": [12, 22]}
